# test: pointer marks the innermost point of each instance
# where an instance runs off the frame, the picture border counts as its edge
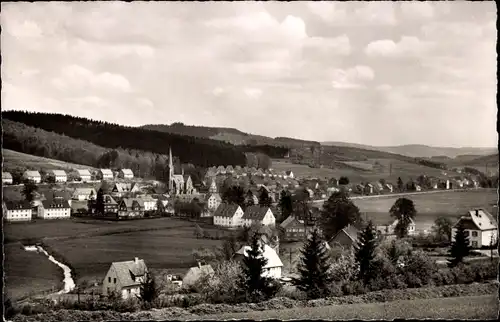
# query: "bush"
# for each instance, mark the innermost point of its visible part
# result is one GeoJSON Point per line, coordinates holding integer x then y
{"type": "Point", "coordinates": [354, 287]}
{"type": "Point", "coordinates": [292, 293]}
{"type": "Point", "coordinates": [344, 268]}
{"type": "Point", "coordinates": [443, 277]}
{"type": "Point", "coordinates": [421, 266]}
{"type": "Point", "coordinates": [463, 274]}
{"type": "Point", "coordinates": [223, 286]}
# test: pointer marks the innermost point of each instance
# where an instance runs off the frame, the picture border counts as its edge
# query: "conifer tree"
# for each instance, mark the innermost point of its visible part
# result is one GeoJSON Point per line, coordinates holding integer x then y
{"type": "Point", "coordinates": [365, 252]}
{"type": "Point", "coordinates": [314, 278]}
{"type": "Point", "coordinates": [264, 199]}
{"type": "Point", "coordinates": [253, 282]}
{"type": "Point", "coordinates": [99, 202]}
{"type": "Point", "coordinates": [149, 290]}
{"type": "Point", "coordinates": [459, 247]}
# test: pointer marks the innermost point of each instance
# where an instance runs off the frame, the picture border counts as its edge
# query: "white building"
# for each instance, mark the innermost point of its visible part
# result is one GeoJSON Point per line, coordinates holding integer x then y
{"type": "Point", "coordinates": [125, 278]}
{"type": "Point", "coordinates": [228, 215]}
{"type": "Point", "coordinates": [84, 194]}
{"type": "Point", "coordinates": [58, 175]}
{"type": "Point", "coordinates": [258, 215]}
{"type": "Point", "coordinates": [105, 174]}
{"type": "Point", "coordinates": [54, 209]}
{"type": "Point", "coordinates": [17, 211]}
{"type": "Point", "coordinates": [213, 201]}
{"type": "Point", "coordinates": [83, 175]}
{"type": "Point", "coordinates": [480, 226]}
{"type": "Point", "coordinates": [126, 174]}
{"type": "Point", "coordinates": [274, 264]}
{"type": "Point", "coordinates": [33, 176]}
{"type": "Point", "coordinates": [7, 178]}
{"type": "Point", "coordinates": [149, 202]}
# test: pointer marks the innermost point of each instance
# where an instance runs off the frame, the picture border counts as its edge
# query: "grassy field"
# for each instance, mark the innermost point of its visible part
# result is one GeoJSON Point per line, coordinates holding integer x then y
{"type": "Point", "coordinates": [483, 307]}
{"type": "Point", "coordinates": [13, 160]}
{"type": "Point", "coordinates": [26, 272]}
{"type": "Point", "coordinates": [432, 205]}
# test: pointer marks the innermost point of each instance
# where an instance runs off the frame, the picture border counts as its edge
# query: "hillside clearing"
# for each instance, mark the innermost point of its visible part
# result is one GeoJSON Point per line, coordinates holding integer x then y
{"type": "Point", "coordinates": [17, 160]}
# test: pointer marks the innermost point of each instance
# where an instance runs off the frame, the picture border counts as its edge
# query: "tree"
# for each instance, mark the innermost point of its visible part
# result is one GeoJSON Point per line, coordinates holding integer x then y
{"type": "Point", "coordinates": [365, 253]}
{"type": "Point", "coordinates": [286, 204]}
{"type": "Point", "coordinates": [400, 185]}
{"type": "Point", "coordinates": [404, 211]}
{"type": "Point", "coordinates": [264, 199]}
{"type": "Point", "coordinates": [442, 228]}
{"type": "Point", "coordinates": [314, 278]}
{"type": "Point", "coordinates": [254, 282]}
{"type": "Point", "coordinates": [338, 212]}
{"type": "Point", "coordinates": [343, 180]}
{"type": "Point", "coordinates": [228, 249]}
{"type": "Point", "coordinates": [99, 202]}
{"type": "Point", "coordinates": [198, 231]}
{"type": "Point", "coordinates": [235, 195]}
{"type": "Point", "coordinates": [29, 190]}
{"type": "Point", "coordinates": [149, 290]}
{"type": "Point", "coordinates": [249, 201]}
{"type": "Point", "coordinates": [459, 247]}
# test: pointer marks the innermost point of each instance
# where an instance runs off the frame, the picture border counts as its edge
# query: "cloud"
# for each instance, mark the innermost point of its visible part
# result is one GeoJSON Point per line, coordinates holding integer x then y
{"type": "Point", "coordinates": [378, 13]}
{"type": "Point", "coordinates": [366, 13]}
{"type": "Point", "coordinates": [417, 9]}
{"type": "Point", "coordinates": [253, 93]}
{"type": "Point", "coordinates": [407, 46]}
{"type": "Point", "coordinates": [218, 91]}
{"type": "Point", "coordinates": [384, 87]}
{"type": "Point", "coordinates": [327, 10]}
{"type": "Point", "coordinates": [352, 78]}
{"type": "Point", "coordinates": [330, 46]}
{"type": "Point", "coordinates": [75, 77]}
{"type": "Point", "coordinates": [450, 30]}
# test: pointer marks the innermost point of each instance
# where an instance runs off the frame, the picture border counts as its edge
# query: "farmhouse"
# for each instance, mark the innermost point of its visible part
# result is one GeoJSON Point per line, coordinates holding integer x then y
{"type": "Point", "coordinates": [368, 189]}
{"type": "Point", "coordinates": [125, 278]}
{"type": "Point", "coordinates": [58, 175]}
{"type": "Point", "coordinates": [228, 215]}
{"type": "Point", "coordinates": [120, 189]}
{"type": "Point", "coordinates": [84, 194]}
{"type": "Point", "coordinates": [251, 197]}
{"type": "Point", "coordinates": [480, 226]}
{"type": "Point", "coordinates": [289, 174]}
{"type": "Point", "coordinates": [110, 205]}
{"type": "Point", "coordinates": [149, 202]}
{"type": "Point", "coordinates": [389, 187]}
{"type": "Point", "coordinates": [213, 201]}
{"type": "Point", "coordinates": [33, 176]}
{"type": "Point", "coordinates": [7, 178]}
{"type": "Point", "coordinates": [388, 228]}
{"type": "Point", "coordinates": [194, 274]}
{"type": "Point", "coordinates": [274, 264]}
{"type": "Point", "coordinates": [56, 208]}
{"type": "Point", "coordinates": [258, 215]}
{"type": "Point", "coordinates": [105, 174]}
{"type": "Point", "coordinates": [294, 229]}
{"type": "Point", "coordinates": [17, 211]}
{"type": "Point", "coordinates": [126, 174]}
{"type": "Point", "coordinates": [83, 175]}
{"type": "Point", "coordinates": [346, 238]}
{"type": "Point", "coordinates": [131, 208]}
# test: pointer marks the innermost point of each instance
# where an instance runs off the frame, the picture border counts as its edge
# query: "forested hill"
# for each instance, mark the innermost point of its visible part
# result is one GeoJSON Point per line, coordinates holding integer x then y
{"type": "Point", "coordinates": [197, 151]}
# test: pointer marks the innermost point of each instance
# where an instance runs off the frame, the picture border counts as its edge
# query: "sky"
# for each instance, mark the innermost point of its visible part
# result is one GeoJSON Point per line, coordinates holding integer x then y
{"type": "Point", "coordinates": [377, 73]}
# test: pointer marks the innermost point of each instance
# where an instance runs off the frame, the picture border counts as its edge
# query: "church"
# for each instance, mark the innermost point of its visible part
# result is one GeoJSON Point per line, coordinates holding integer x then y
{"type": "Point", "coordinates": [178, 184]}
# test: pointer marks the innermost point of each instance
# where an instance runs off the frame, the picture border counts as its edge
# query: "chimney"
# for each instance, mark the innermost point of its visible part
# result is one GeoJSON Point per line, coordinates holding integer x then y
{"type": "Point", "coordinates": [477, 212]}
{"type": "Point", "coordinates": [199, 264]}
{"type": "Point", "coordinates": [136, 260]}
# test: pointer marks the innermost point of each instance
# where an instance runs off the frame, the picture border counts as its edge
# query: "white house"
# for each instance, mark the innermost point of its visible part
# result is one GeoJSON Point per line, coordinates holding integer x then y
{"type": "Point", "coordinates": [121, 188]}
{"type": "Point", "coordinates": [228, 215]}
{"type": "Point", "coordinates": [149, 202]}
{"type": "Point", "coordinates": [289, 174]}
{"type": "Point", "coordinates": [84, 194]}
{"type": "Point", "coordinates": [105, 174]}
{"type": "Point", "coordinates": [418, 188]}
{"type": "Point", "coordinates": [58, 175]}
{"type": "Point", "coordinates": [389, 187]}
{"type": "Point", "coordinates": [54, 209]}
{"type": "Point", "coordinates": [33, 176]}
{"type": "Point", "coordinates": [213, 201]}
{"type": "Point", "coordinates": [480, 226]}
{"type": "Point", "coordinates": [195, 273]}
{"type": "Point", "coordinates": [7, 178]}
{"type": "Point", "coordinates": [388, 229]}
{"type": "Point", "coordinates": [17, 211]}
{"type": "Point", "coordinates": [83, 175]}
{"type": "Point", "coordinates": [258, 215]}
{"type": "Point", "coordinates": [125, 278]}
{"type": "Point", "coordinates": [126, 174]}
{"type": "Point", "coordinates": [274, 264]}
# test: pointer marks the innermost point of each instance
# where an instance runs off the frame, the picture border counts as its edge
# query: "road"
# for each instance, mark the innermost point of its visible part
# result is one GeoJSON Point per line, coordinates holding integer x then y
{"type": "Point", "coordinates": [462, 308]}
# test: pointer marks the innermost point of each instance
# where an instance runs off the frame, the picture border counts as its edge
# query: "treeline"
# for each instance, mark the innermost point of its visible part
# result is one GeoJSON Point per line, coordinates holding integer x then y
{"type": "Point", "coordinates": [30, 140]}
{"type": "Point", "coordinates": [276, 152]}
{"type": "Point", "coordinates": [190, 130]}
{"type": "Point", "coordinates": [197, 151]}
{"type": "Point", "coordinates": [431, 164]}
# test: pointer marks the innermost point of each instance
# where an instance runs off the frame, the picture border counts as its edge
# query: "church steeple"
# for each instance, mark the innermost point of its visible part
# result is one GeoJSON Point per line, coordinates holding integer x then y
{"type": "Point", "coordinates": [170, 170]}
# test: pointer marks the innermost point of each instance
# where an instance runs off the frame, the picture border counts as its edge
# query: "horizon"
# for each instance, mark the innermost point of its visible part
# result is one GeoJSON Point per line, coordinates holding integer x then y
{"type": "Point", "coordinates": [385, 74]}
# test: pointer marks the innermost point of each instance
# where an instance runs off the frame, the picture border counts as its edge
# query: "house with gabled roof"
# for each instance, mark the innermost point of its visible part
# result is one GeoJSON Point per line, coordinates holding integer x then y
{"type": "Point", "coordinates": [150, 203]}
{"type": "Point", "coordinates": [125, 278]}
{"type": "Point", "coordinates": [293, 228]}
{"type": "Point", "coordinates": [387, 229]}
{"type": "Point", "coordinates": [105, 174]}
{"type": "Point", "coordinates": [55, 208]}
{"type": "Point", "coordinates": [388, 187]}
{"type": "Point", "coordinates": [221, 169]}
{"type": "Point", "coordinates": [346, 238]}
{"type": "Point", "coordinates": [84, 194]}
{"type": "Point", "coordinates": [228, 215]}
{"type": "Point", "coordinates": [195, 273]}
{"type": "Point", "coordinates": [7, 178]}
{"type": "Point", "coordinates": [126, 174]}
{"type": "Point", "coordinates": [480, 226]}
{"type": "Point", "coordinates": [17, 211]}
{"type": "Point", "coordinates": [258, 215]}
{"type": "Point", "coordinates": [213, 201]}
{"type": "Point", "coordinates": [120, 189]}
{"type": "Point", "coordinates": [131, 208]}
{"type": "Point", "coordinates": [83, 175]}
{"type": "Point", "coordinates": [33, 176]}
{"type": "Point", "coordinates": [274, 264]}
{"type": "Point", "coordinates": [58, 175]}
{"type": "Point", "coordinates": [288, 174]}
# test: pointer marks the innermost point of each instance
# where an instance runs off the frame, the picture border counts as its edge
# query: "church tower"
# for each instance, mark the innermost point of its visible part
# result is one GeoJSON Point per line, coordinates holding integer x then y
{"type": "Point", "coordinates": [170, 170]}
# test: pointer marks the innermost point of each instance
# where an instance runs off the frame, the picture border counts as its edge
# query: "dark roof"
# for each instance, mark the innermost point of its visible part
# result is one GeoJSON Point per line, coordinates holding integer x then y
{"type": "Point", "coordinates": [55, 203]}
{"type": "Point", "coordinates": [126, 271]}
{"type": "Point", "coordinates": [255, 212]}
{"type": "Point", "coordinates": [226, 210]}
{"type": "Point", "coordinates": [350, 231]}
{"type": "Point", "coordinates": [467, 223]}
{"type": "Point", "coordinates": [11, 205]}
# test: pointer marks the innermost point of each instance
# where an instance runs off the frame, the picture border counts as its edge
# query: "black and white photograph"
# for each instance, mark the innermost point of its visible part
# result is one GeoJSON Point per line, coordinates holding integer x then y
{"type": "Point", "coordinates": [249, 160]}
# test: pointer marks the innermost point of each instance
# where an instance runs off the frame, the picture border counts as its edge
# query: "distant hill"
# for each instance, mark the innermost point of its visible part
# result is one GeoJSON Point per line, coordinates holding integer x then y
{"type": "Point", "coordinates": [229, 135]}
{"type": "Point", "coordinates": [420, 151]}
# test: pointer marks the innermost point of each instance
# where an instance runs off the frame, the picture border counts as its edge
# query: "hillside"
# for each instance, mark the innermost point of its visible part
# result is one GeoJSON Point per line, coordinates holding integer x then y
{"type": "Point", "coordinates": [198, 151]}
{"type": "Point", "coordinates": [229, 135]}
{"type": "Point", "coordinates": [420, 151]}
{"type": "Point", "coordinates": [16, 160]}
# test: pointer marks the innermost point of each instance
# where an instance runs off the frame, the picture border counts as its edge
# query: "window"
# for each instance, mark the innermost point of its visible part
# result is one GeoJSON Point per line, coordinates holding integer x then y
{"type": "Point", "coordinates": [466, 233]}
{"type": "Point", "coordinates": [109, 279]}
{"type": "Point", "coordinates": [114, 280]}
{"type": "Point", "coordinates": [474, 244]}
{"type": "Point", "coordinates": [474, 234]}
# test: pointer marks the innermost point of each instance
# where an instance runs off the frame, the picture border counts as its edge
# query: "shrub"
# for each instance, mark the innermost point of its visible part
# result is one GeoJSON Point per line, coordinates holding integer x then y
{"type": "Point", "coordinates": [345, 267]}
{"type": "Point", "coordinates": [354, 287]}
{"type": "Point", "coordinates": [443, 277]}
{"type": "Point", "coordinates": [413, 280]}
{"type": "Point", "coordinates": [421, 266]}
{"type": "Point", "coordinates": [223, 285]}
{"type": "Point", "coordinates": [464, 274]}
